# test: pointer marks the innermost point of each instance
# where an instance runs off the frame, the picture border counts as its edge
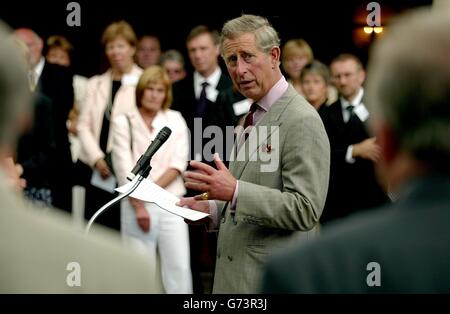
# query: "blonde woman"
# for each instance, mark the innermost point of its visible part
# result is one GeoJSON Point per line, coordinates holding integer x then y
{"type": "Point", "coordinates": [143, 224]}
{"type": "Point", "coordinates": [295, 54]}
{"type": "Point", "coordinates": [107, 96]}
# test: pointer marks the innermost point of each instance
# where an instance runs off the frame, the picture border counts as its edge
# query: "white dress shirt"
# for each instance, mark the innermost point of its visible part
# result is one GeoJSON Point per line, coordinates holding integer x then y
{"type": "Point", "coordinates": [172, 155]}
{"type": "Point", "coordinates": [346, 115]}
{"type": "Point", "coordinates": [212, 80]}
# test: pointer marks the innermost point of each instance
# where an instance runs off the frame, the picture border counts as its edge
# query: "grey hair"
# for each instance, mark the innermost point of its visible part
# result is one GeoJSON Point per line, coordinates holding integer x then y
{"type": "Point", "coordinates": [14, 87]}
{"type": "Point", "coordinates": [172, 55]}
{"type": "Point", "coordinates": [266, 36]}
{"type": "Point", "coordinates": [316, 67]}
{"type": "Point", "coordinates": [408, 84]}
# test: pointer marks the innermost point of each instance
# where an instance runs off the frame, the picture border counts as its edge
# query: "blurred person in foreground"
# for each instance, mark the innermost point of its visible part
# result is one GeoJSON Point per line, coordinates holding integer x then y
{"type": "Point", "coordinates": [41, 252]}
{"type": "Point", "coordinates": [403, 247]}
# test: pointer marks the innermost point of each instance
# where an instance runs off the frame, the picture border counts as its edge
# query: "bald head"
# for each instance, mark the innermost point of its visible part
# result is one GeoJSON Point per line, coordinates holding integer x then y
{"type": "Point", "coordinates": [33, 41]}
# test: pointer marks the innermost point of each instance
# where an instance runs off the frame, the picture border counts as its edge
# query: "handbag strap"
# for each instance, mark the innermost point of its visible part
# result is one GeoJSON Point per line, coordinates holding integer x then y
{"type": "Point", "coordinates": [131, 132]}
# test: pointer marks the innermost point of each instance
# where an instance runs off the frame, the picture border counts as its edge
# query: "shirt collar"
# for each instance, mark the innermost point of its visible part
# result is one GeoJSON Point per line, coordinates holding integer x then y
{"type": "Point", "coordinates": [356, 101]}
{"type": "Point", "coordinates": [274, 94]}
{"type": "Point", "coordinates": [212, 80]}
{"type": "Point", "coordinates": [39, 67]}
{"type": "Point", "coordinates": [159, 121]}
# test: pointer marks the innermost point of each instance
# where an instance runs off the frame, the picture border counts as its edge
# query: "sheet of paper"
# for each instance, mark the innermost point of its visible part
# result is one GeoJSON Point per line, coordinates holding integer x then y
{"type": "Point", "coordinates": [149, 192]}
{"type": "Point", "coordinates": [108, 184]}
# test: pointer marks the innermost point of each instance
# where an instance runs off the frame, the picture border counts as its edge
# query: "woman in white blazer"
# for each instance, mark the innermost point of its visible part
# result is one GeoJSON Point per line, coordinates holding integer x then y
{"type": "Point", "coordinates": [143, 224]}
{"type": "Point", "coordinates": [107, 95]}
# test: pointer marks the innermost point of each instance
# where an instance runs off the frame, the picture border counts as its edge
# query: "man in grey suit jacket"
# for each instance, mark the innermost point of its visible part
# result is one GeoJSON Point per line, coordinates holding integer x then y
{"type": "Point", "coordinates": [40, 252]}
{"type": "Point", "coordinates": [275, 189]}
{"type": "Point", "coordinates": [405, 247]}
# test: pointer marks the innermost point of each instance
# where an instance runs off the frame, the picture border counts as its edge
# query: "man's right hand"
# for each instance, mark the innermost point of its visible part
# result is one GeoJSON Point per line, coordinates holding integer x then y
{"type": "Point", "coordinates": [192, 203]}
{"type": "Point", "coordinates": [103, 168]}
{"type": "Point", "coordinates": [367, 149]}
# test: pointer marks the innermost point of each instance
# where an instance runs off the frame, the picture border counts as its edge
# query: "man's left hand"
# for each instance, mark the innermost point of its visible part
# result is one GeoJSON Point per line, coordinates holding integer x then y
{"type": "Point", "coordinates": [219, 183]}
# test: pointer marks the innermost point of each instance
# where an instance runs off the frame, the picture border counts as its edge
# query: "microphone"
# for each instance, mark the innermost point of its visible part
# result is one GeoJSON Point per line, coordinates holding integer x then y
{"type": "Point", "coordinates": [144, 160]}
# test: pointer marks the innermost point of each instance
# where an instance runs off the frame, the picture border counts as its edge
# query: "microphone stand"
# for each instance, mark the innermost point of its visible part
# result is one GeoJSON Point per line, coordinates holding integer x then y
{"type": "Point", "coordinates": [141, 175]}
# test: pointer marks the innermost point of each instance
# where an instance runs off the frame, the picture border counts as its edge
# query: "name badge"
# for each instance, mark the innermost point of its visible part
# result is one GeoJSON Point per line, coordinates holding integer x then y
{"type": "Point", "coordinates": [211, 94]}
{"type": "Point", "coordinates": [361, 112]}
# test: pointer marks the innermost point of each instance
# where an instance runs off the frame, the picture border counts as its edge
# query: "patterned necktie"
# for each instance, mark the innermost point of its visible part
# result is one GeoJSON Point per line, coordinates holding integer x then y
{"type": "Point", "coordinates": [202, 101]}
{"type": "Point", "coordinates": [249, 117]}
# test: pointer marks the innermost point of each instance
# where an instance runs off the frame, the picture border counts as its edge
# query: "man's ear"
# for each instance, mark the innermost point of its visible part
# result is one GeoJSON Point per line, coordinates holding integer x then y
{"type": "Point", "coordinates": [275, 54]}
{"type": "Point", "coordinates": [217, 50]}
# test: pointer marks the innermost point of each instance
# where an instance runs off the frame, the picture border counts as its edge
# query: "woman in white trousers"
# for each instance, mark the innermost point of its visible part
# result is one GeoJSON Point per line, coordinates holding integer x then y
{"type": "Point", "coordinates": [145, 225]}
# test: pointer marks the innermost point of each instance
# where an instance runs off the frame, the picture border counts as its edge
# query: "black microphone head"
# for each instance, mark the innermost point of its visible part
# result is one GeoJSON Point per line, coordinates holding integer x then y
{"type": "Point", "coordinates": [164, 133]}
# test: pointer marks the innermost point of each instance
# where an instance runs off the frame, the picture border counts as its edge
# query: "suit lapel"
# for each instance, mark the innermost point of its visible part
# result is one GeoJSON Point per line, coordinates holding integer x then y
{"type": "Point", "coordinates": [224, 82]}
{"type": "Point", "coordinates": [270, 120]}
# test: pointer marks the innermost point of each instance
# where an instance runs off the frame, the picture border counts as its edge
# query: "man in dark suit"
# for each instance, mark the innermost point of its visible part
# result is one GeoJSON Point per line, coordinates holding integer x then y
{"type": "Point", "coordinates": [55, 82]}
{"type": "Point", "coordinates": [198, 95]}
{"type": "Point", "coordinates": [402, 248]}
{"type": "Point", "coordinates": [34, 151]}
{"type": "Point", "coordinates": [353, 185]}
{"type": "Point", "coordinates": [201, 98]}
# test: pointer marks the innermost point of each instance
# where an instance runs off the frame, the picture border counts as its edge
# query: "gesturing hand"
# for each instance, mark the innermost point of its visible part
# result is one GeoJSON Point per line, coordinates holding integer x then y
{"type": "Point", "coordinates": [219, 183]}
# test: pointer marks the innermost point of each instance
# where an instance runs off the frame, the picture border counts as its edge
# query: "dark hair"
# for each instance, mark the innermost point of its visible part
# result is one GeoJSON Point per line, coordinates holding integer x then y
{"type": "Point", "coordinates": [348, 56]}
{"type": "Point", "coordinates": [203, 29]}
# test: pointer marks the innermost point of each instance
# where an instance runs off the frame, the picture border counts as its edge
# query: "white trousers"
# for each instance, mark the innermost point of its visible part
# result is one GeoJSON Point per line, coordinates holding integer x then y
{"type": "Point", "coordinates": [169, 235]}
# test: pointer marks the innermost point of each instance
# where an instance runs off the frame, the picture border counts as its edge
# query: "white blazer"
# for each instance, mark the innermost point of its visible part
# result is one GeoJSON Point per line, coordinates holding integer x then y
{"type": "Point", "coordinates": [98, 93]}
{"type": "Point", "coordinates": [173, 154]}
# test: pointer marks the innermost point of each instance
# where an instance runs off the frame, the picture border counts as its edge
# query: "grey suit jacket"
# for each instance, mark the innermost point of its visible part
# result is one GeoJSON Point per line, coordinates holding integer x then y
{"type": "Point", "coordinates": [42, 253]}
{"type": "Point", "coordinates": [279, 200]}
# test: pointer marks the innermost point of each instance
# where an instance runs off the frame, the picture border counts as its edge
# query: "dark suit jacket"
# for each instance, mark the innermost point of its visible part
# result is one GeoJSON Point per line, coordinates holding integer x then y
{"type": "Point", "coordinates": [354, 186]}
{"type": "Point", "coordinates": [409, 240]}
{"type": "Point", "coordinates": [55, 82]}
{"type": "Point", "coordinates": [216, 113]}
{"type": "Point", "coordinates": [36, 146]}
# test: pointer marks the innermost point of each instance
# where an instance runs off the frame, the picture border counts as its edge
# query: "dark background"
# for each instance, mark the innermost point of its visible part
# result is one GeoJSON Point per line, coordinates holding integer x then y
{"type": "Point", "coordinates": [328, 26]}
